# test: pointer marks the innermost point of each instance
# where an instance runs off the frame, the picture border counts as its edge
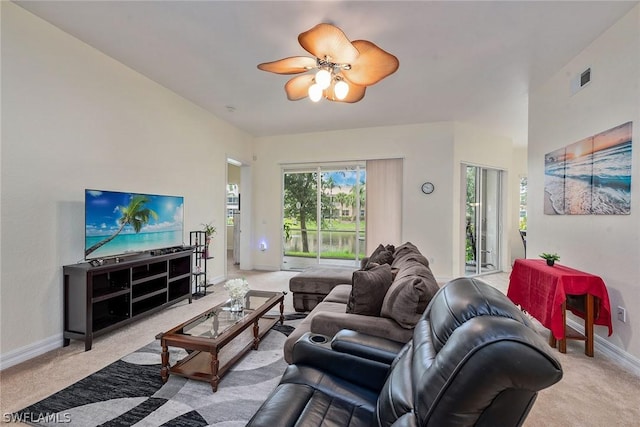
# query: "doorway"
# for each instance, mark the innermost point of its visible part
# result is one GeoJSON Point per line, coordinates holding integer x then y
{"type": "Point", "coordinates": [483, 220]}
{"type": "Point", "coordinates": [237, 217]}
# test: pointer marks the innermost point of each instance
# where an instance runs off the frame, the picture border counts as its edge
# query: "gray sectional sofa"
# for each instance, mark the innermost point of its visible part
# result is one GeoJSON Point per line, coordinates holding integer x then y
{"type": "Point", "coordinates": [384, 299]}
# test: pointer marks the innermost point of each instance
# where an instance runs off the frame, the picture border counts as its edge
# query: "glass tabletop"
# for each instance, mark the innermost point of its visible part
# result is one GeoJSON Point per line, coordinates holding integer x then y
{"type": "Point", "coordinates": [214, 322]}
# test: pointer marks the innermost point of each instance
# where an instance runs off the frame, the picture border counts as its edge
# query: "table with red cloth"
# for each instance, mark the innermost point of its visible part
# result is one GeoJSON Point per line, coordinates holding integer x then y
{"type": "Point", "coordinates": [542, 290]}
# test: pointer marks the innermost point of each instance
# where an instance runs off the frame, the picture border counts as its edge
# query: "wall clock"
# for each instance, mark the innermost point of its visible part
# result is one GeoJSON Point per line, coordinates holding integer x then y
{"type": "Point", "coordinates": [427, 188]}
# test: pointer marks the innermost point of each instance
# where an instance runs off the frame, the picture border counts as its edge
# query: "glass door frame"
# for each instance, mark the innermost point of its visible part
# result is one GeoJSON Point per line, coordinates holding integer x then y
{"type": "Point", "coordinates": [320, 169]}
{"type": "Point", "coordinates": [479, 227]}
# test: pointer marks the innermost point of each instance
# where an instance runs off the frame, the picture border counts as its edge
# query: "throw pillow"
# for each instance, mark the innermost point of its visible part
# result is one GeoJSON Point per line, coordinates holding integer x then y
{"type": "Point", "coordinates": [370, 265]}
{"type": "Point", "coordinates": [380, 255]}
{"type": "Point", "coordinates": [368, 289]}
{"type": "Point", "coordinates": [376, 251]}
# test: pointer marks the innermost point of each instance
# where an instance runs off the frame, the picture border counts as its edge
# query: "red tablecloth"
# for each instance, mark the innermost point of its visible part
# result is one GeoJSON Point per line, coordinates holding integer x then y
{"type": "Point", "coordinates": [540, 290]}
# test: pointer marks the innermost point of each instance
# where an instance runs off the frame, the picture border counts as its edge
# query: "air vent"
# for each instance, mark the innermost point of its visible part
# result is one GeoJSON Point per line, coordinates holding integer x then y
{"type": "Point", "coordinates": [585, 77]}
{"type": "Point", "coordinates": [580, 81]}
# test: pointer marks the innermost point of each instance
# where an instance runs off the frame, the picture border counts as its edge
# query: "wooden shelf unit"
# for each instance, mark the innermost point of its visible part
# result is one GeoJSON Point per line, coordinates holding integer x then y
{"type": "Point", "coordinates": [102, 298]}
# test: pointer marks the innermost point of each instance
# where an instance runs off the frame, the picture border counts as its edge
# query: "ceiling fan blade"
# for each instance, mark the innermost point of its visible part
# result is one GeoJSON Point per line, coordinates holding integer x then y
{"type": "Point", "coordinates": [373, 64]}
{"type": "Point", "coordinates": [326, 41]}
{"type": "Point", "coordinates": [356, 93]}
{"type": "Point", "coordinates": [291, 65]}
{"type": "Point", "coordinates": [298, 87]}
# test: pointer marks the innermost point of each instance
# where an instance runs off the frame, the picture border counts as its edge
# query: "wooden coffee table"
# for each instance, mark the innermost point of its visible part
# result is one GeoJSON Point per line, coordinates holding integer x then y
{"type": "Point", "coordinates": [217, 338]}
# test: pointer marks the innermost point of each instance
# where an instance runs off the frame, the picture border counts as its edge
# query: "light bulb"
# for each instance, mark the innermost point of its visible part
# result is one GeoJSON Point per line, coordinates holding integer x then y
{"type": "Point", "coordinates": [315, 92]}
{"type": "Point", "coordinates": [323, 79]}
{"type": "Point", "coordinates": [341, 89]}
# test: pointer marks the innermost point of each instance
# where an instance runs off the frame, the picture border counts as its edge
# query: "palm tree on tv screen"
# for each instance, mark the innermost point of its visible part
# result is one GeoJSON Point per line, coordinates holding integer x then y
{"type": "Point", "coordinates": [135, 214]}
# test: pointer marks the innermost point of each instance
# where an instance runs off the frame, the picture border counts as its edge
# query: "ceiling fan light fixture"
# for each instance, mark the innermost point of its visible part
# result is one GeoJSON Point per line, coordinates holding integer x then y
{"type": "Point", "coordinates": [341, 89]}
{"type": "Point", "coordinates": [323, 78]}
{"type": "Point", "coordinates": [341, 69]}
{"type": "Point", "coordinates": [315, 92]}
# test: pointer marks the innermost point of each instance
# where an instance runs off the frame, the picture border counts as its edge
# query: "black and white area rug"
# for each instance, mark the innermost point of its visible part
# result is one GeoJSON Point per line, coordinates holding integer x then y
{"type": "Point", "coordinates": [130, 392]}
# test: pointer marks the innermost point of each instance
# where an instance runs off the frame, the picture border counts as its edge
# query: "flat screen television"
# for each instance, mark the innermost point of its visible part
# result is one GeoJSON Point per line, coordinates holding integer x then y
{"type": "Point", "coordinates": [119, 223]}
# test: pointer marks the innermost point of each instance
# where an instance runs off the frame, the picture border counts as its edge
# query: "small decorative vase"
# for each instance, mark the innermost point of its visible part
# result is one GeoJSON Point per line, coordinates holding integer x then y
{"type": "Point", "coordinates": [550, 262]}
{"type": "Point", "coordinates": [237, 304]}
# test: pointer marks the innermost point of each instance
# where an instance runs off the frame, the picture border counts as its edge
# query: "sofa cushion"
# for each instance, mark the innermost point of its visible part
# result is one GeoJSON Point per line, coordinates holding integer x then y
{"type": "Point", "coordinates": [340, 293]}
{"type": "Point", "coordinates": [404, 248]}
{"type": "Point", "coordinates": [320, 280]}
{"type": "Point", "coordinates": [409, 294]}
{"type": "Point", "coordinates": [407, 253]}
{"type": "Point", "coordinates": [368, 290]}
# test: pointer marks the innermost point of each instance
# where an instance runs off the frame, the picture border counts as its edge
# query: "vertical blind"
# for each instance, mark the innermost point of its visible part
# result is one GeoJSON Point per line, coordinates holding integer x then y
{"type": "Point", "coordinates": [384, 203]}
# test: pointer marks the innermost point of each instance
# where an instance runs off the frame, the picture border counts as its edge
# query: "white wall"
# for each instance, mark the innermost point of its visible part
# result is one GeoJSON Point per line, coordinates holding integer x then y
{"type": "Point", "coordinates": [431, 152]}
{"type": "Point", "coordinates": [423, 148]}
{"type": "Point", "coordinates": [608, 246]}
{"type": "Point", "coordinates": [74, 118]}
{"type": "Point", "coordinates": [519, 170]}
{"type": "Point", "coordinates": [479, 148]}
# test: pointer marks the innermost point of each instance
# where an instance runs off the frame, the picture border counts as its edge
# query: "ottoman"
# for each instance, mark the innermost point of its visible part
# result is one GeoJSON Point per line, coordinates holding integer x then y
{"type": "Point", "coordinates": [312, 285]}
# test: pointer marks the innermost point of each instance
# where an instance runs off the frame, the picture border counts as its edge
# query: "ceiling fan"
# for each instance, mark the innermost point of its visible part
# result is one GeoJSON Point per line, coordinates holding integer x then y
{"type": "Point", "coordinates": [343, 68]}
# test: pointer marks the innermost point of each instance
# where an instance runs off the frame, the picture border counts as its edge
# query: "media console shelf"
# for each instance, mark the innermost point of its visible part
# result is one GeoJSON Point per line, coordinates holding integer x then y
{"type": "Point", "coordinates": [102, 298]}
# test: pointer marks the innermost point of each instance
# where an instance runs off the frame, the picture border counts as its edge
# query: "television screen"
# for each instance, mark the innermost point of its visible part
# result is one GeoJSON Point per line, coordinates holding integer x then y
{"type": "Point", "coordinates": [118, 223]}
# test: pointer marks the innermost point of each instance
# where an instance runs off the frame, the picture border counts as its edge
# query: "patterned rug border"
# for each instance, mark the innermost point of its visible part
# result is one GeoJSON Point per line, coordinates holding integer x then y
{"type": "Point", "coordinates": [110, 398]}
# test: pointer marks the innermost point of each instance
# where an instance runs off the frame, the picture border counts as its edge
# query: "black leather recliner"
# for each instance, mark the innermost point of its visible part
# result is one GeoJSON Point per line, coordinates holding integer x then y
{"type": "Point", "coordinates": [474, 360]}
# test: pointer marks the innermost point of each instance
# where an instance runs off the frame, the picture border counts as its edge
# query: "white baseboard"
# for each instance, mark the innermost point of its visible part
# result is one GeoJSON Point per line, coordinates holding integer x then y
{"type": "Point", "coordinates": [266, 268]}
{"type": "Point", "coordinates": [30, 351]}
{"type": "Point", "coordinates": [610, 351]}
{"type": "Point", "coordinates": [216, 280]}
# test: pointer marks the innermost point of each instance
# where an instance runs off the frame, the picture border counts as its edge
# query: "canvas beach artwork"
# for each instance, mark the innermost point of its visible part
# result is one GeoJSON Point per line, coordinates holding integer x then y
{"type": "Point", "coordinates": [591, 176]}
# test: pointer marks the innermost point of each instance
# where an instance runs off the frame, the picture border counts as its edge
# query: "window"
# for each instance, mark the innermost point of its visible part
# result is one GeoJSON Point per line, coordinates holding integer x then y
{"type": "Point", "coordinates": [321, 221]}
{"type": "Point", "coordinates": [523, 203]}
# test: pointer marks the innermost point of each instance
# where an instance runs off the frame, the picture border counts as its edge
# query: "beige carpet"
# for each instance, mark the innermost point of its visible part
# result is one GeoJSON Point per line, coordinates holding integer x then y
{"type": "Point", "coordinates": [594, 391]}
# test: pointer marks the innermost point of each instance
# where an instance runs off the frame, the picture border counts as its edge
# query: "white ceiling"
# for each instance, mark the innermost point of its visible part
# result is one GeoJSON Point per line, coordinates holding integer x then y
{"type": "Point", "coordinates": [470, 61]}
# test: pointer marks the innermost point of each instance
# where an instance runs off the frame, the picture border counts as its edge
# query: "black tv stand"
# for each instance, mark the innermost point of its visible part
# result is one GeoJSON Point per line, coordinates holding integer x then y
{"type": "Point", "coordinates": [172, 250]}
{"type": "Point", "coordinates": [98, 299]}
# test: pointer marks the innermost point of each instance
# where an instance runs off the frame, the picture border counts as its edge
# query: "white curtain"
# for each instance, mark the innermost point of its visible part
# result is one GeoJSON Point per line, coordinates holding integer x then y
{"type": "Point", "coordinates": [384, 203]}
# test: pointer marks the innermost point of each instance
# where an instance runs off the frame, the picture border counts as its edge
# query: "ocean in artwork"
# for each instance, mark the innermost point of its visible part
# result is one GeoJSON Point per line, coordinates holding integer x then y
{"type": "Point", "coordinates": [134, 242]}
{"type": "Point", "coordinates": [160, 217]}
{"type": "Point", "coordinates": [592, 176]}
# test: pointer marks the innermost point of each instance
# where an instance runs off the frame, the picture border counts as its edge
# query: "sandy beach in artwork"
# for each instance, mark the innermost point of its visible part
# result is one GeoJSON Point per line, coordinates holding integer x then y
{"type": "Point", "coordinates": [548, 206]}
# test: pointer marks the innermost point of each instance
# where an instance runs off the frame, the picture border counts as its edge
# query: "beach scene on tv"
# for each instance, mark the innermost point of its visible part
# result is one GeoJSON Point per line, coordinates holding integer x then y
{"type": "Point", "coordinates": [118, 223]}
{"type": "Point", "coordinates": [591, 176]}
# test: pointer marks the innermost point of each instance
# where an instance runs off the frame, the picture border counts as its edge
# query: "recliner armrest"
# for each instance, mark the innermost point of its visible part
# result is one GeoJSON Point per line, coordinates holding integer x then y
{"type": "Point", "coordinates": [368, 373]}
{"type": "Point", "coordinates": [367, 346]}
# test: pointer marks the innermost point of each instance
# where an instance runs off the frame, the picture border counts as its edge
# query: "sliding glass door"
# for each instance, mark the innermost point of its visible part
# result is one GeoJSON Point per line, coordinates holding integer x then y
{"type": "Point", "coordinates": [323, 216]}
{"type": "Point", "coordinates": [483, 224]}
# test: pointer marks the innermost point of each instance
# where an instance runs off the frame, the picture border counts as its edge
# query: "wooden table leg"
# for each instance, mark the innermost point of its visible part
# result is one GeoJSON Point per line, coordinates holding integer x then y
{"type": "Point", "coordinates": [215, 364]}
{"type": "Point", "coordinates": [164, 371]}
{"type": "Point", "coordinates": [588, 325]}
{"type": "Point", "coordinates": [256, 336]}
{"type": "Point", "coordinates": [562, 346]}
{"type": "Point", "coordinates": [552, 340]}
